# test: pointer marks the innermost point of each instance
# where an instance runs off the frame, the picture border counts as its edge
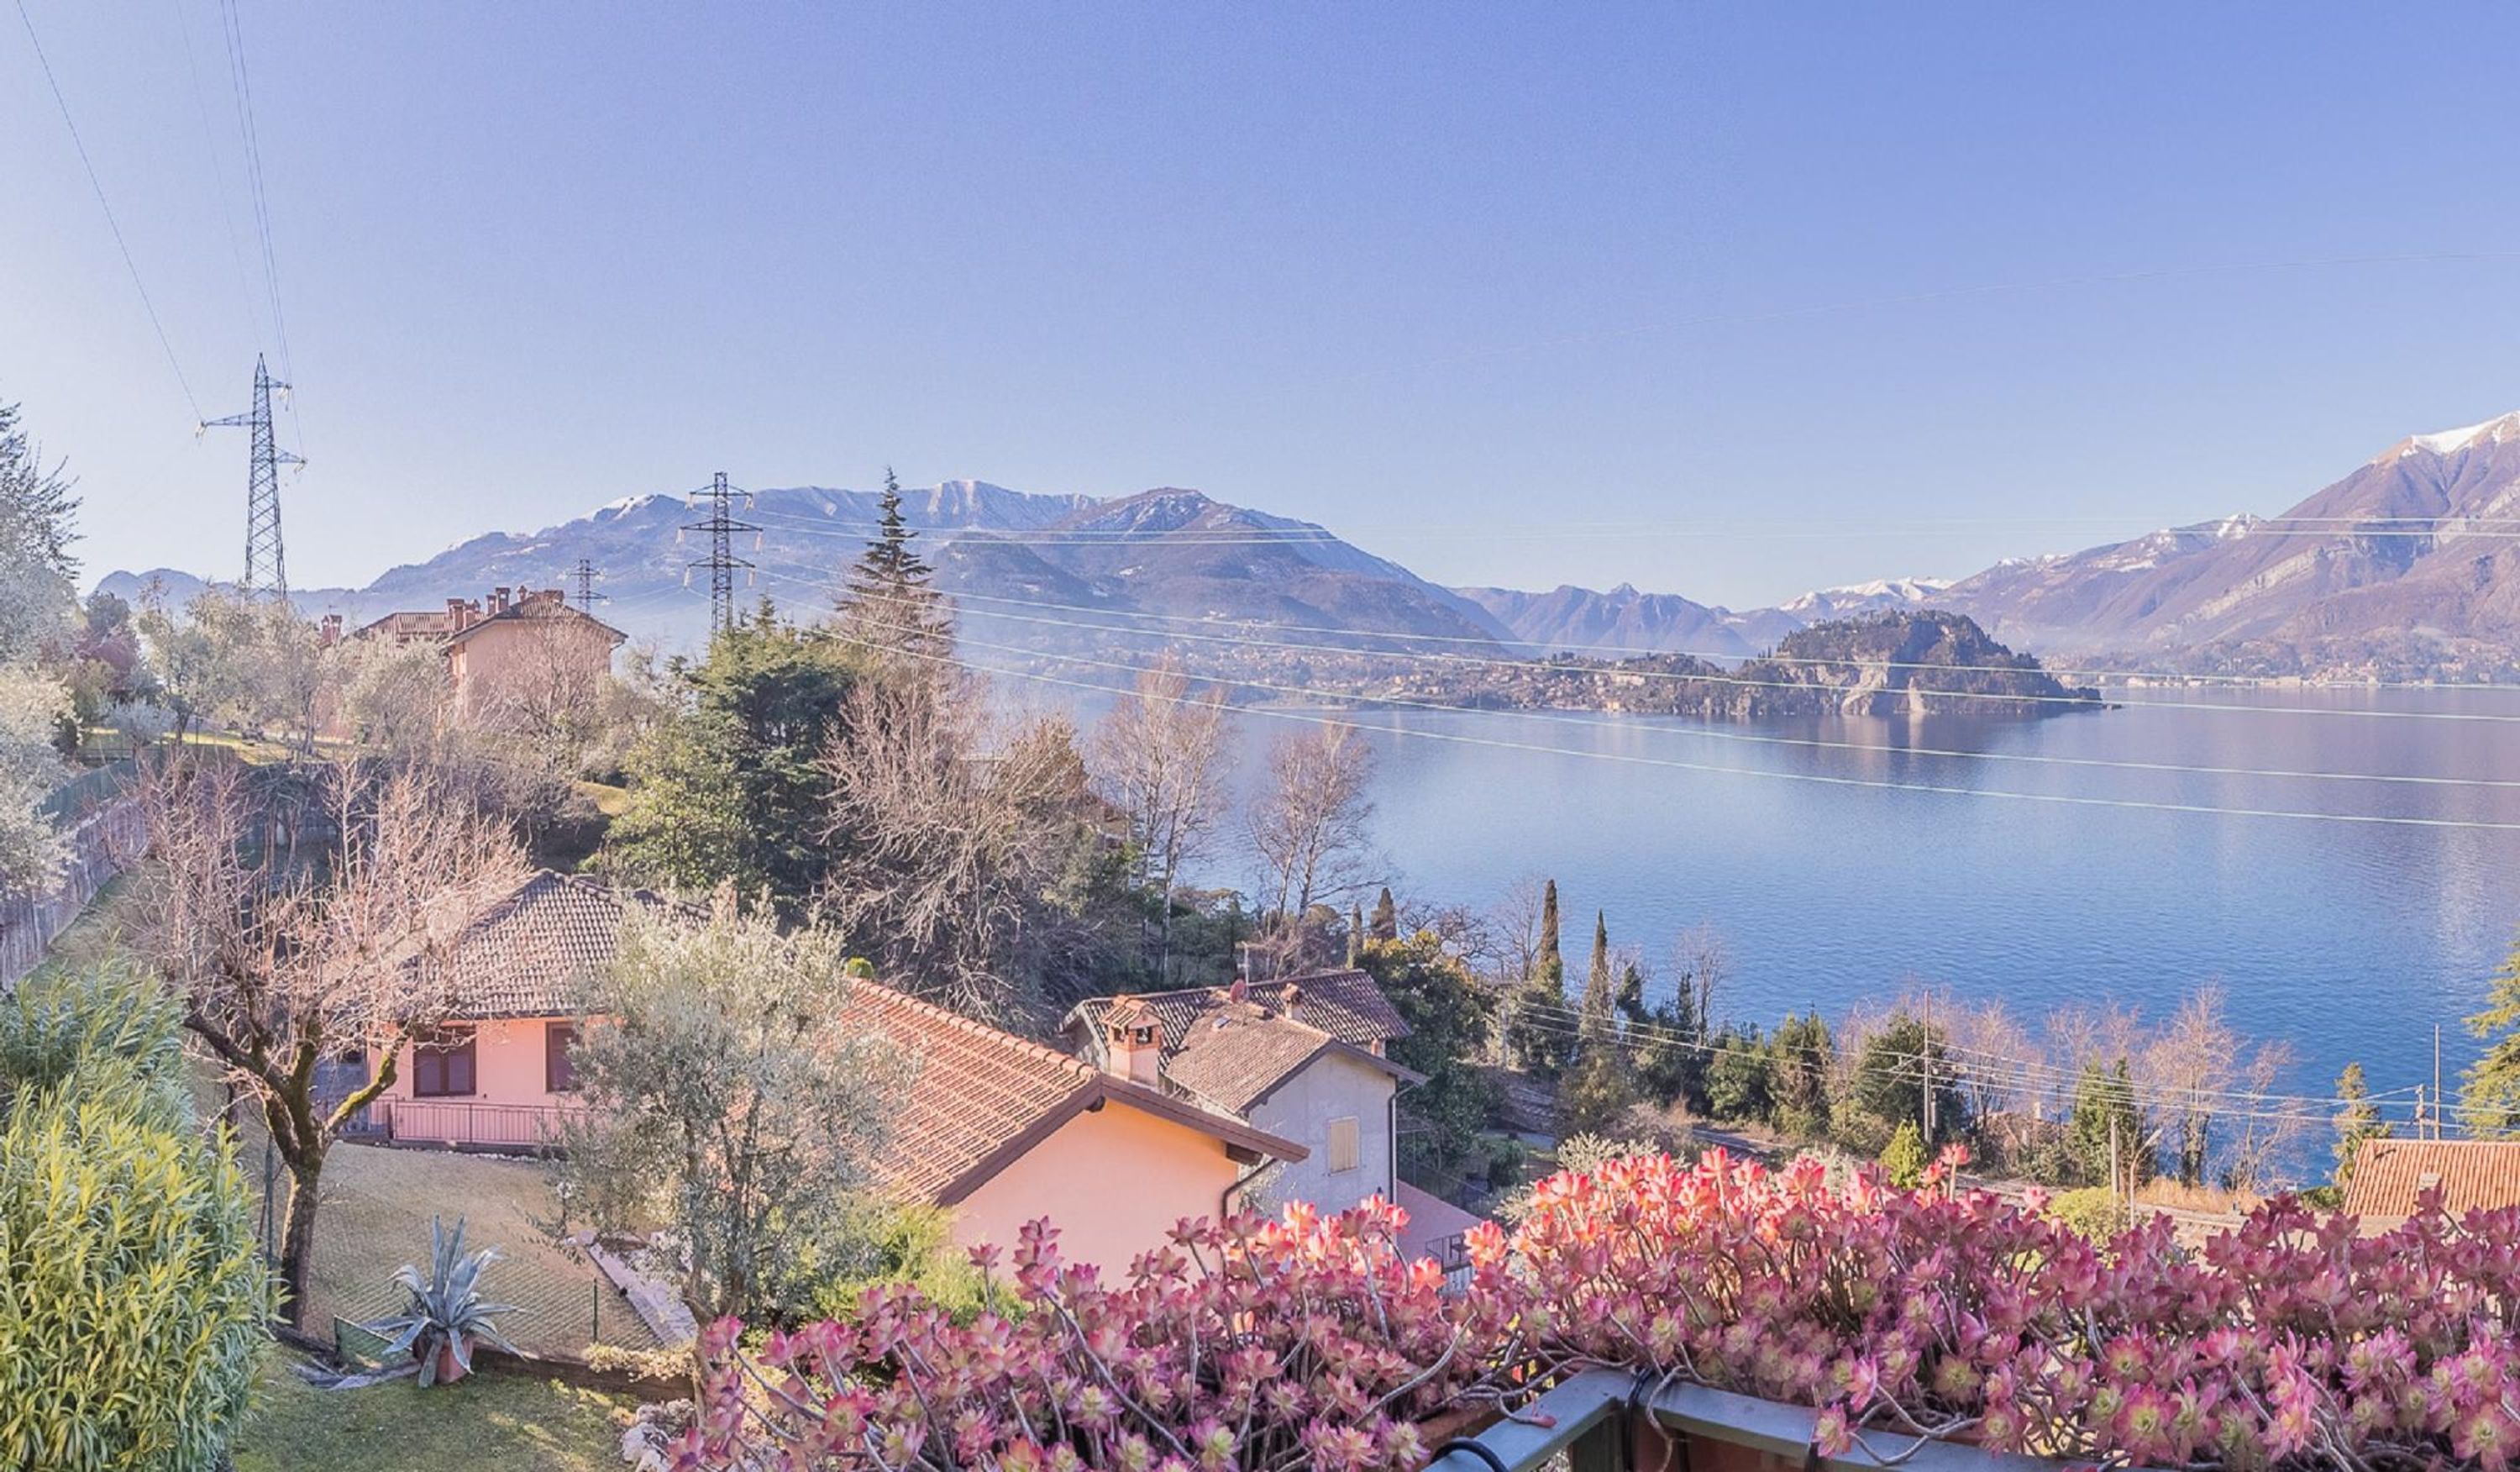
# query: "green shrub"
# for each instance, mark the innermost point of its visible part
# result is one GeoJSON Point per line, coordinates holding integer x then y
{"type": "Point", "coordinates": [2091, 1211]}
{"type": "Point", "coordinates": [906, 1244]}
{"type": "Point", "coordinates": [1903, 1160]}
{"type": "Point", "coordinates": [132, 1299]}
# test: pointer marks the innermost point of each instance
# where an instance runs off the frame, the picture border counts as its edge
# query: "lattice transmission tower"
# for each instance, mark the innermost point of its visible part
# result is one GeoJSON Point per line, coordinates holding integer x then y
{"type": "Point", "coordinates": [266, 564]}
{"type": "Point", "coordinates": [721, 561]}
{"type": "Point", "coordinates": [586, 574]}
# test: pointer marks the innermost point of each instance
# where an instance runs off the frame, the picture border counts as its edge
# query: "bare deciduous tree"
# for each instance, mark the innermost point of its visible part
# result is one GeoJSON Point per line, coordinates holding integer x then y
{"type": "Point", "coordinates": [1308, 824]}
{"type": "Point", "coordinates": [1160, 758]}
{"type": "Point", "coordinates": [943, 841]}
{"type": "Point", "coordinates": [1701, 960]}
{"type": "Point", "coordinates": [304, 914]}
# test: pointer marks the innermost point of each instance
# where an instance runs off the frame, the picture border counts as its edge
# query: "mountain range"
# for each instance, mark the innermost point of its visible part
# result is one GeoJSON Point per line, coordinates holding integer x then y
{"type": "Point", "coordinates": [2408, 567]}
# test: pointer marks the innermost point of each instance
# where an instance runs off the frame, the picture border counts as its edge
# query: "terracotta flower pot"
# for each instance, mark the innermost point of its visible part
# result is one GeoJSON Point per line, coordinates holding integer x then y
{"type": "Point", "coordinates": [449, 1368]}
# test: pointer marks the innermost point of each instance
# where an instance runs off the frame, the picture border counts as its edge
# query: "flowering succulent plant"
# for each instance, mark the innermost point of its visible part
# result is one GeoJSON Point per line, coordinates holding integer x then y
{"type": "Point", "coordinates": [1262, 1347]}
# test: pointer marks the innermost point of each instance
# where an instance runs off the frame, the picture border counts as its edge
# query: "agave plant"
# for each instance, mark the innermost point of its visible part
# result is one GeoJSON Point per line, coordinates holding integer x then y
{"type": "Point", "coordinates": [446, 1313]}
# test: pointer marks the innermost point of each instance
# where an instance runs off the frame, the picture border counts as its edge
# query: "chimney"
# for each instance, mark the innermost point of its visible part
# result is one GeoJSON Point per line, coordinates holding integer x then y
{"type": "Point", "coordinates": [498, 600]}
{"type": "Point", "coordinates": [455, 614]}
{"type": "Point", "coordinates": [330, 631]}
{"type": "Point", "coordinates": [1133, 1043]}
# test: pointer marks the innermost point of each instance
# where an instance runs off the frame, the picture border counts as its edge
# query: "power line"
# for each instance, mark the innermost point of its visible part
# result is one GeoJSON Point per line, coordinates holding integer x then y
{"type": "Point", "coordinates": [1308, 535]}
{"type": "Point", "coordinates": [242, 84]}
{"type": "Point", "coordinates": [218, 169]}
{"type": "Point", "coordinates": [1968, 1061]}
{"type": "Point", "coordinates": [1631, 651]}
{"type": "Point", "coordinates": [1722, 679]}
{"type": "Point", "coordinates": [1671, 764]}
{"type": "Point", "coordinates": [1551, 650]}
{"type": "Point", "coordinates": [113, 225]}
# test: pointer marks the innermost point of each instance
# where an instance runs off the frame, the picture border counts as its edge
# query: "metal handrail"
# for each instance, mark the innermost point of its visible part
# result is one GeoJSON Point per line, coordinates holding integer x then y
{"type": "Point", "coordinates": [1587, 1416]}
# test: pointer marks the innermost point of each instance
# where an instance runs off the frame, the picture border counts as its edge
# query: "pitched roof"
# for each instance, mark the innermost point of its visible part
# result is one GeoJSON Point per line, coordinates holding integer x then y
{"type": "Point", "coordinates": [1346, 1005]}
{"type": "Point", "coordinates": [2390, 1174]}
{"type": "Point", "coordinates": [526, 610]}
{"type": "Point", "coordinates": [1235, 1056]}
{"type": "Point", "coordinates": [980, 1099]}
{"type": "Point", "coordinates": [1235, 1052]}
{"type": "Point", "coordinates": [530, 952]}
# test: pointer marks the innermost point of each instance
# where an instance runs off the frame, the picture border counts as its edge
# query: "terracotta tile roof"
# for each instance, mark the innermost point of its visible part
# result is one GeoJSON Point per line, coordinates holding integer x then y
{"type": "Point", "coordinates": [1235, 1054]}
{"type": "Point", "coordinates": [1345, 1004]}
{"type": "Point", "coordinates": [980, 1098]}
{"type": "Point", "coordinates": [1232, 1053]}
{"type": "Point", "coordinates": [519, 612]}
{"type": "Point", "coordinates": [530, 952]}
{"type": "Point", "coordinates": [2389, 1176]}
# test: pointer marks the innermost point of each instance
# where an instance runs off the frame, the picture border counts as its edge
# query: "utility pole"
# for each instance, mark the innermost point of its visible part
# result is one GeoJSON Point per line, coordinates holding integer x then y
{"type": "Point", "coordinates": [266, 568]}
{"type": "Point", "coordinates": [587, 597]}
{"type": "Point", "coordinates": [2437, 1093]}
{"type": "Point", "coordinates": [1925, 1061]}
{"type": "Point", "coordinates": [721, 561]}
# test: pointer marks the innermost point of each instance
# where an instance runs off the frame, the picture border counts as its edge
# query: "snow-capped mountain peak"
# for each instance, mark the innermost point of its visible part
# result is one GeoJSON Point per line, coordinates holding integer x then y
{"type": "Point", "coordinates": [1865, 597]}
{"type": "Point", "coordinates": [2451, 442]}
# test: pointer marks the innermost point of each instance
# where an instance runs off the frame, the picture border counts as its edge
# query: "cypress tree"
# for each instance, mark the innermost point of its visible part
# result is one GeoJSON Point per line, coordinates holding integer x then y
{"type": "Point", "coordinates": [1386, 917]}
{"type": "Point", "coordinates": [1551, 967]}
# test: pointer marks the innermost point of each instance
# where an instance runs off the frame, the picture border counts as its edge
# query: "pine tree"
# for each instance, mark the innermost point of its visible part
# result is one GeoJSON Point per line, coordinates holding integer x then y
{"type": "Point", "coordinates": [1356, 933]}
{"type": "Point", "coordinates": [1386, 917]}
{"type": "Point", "coordinates": [2358, 1119]}
{"type": "Point", "coordinates": [887, 600]}
{"type": "Point", "coordinates": [2489, 1093]}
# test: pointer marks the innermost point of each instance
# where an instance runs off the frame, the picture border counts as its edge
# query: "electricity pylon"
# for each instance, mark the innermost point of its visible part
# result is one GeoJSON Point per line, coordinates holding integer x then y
{"type": "Point", "coordinates": [266, 565]}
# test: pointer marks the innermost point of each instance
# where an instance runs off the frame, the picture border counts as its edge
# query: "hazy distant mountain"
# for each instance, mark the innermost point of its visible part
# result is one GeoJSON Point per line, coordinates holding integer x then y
{"type": "Point", "coordinates": [2406, 565]}
{"type": "Point", "coordinates": [1583, 620]}
{"type": "Point", "coordinates": [1180, 559]}
{"type": "Point", "coordinates": [1025, 564]}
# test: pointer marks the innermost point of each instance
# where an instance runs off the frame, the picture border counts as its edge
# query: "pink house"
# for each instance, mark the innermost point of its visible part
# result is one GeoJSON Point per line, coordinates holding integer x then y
{"type": "Point", "coordinates": [997, 1129]}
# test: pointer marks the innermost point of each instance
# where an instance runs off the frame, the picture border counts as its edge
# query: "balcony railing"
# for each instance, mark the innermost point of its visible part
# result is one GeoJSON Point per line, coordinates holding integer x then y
{"type": "Point", "coordinates": [462, 1124]}
{"type": "Point", "coordinates": [1606, 1421]}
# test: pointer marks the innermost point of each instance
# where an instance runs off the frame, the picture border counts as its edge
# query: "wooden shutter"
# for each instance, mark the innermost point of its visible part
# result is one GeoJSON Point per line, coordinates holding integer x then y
{"type": "Point", "coordinates": [1346, 1150]}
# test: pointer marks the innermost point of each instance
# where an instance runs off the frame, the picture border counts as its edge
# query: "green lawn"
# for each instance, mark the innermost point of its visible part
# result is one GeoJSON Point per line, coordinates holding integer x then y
{"type": "Point", "coordinates": [506, 1422]}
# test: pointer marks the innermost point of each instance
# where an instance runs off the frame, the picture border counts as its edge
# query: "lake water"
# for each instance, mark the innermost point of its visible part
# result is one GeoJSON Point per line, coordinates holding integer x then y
{"type": "Point", "coordinates": [2350, 940]}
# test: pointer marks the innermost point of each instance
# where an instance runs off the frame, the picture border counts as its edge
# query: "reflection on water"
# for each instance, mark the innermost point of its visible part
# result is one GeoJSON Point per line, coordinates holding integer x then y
{"type": "Point", "coordinates": [2350, 939]}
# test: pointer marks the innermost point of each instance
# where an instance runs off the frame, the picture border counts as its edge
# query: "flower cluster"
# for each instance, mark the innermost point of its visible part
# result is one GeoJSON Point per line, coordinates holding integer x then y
{"type": "Point", "coordinates": [2289, 1342]}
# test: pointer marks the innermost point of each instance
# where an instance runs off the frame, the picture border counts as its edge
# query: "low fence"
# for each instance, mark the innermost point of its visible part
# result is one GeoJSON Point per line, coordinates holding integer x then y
{"type": "Point", "coordinates": [459, 1124]}
{"type": "Point", "coordinates": [102, 825]}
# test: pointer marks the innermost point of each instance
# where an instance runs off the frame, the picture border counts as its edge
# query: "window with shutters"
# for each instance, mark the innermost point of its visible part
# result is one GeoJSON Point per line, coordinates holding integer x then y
{"type": "Point", "coordinates": [443, 1066]}
{"type": "Point", "coordinates": [560, 1075]}
{"type": "Point", "coordinates": [1347, 1146]}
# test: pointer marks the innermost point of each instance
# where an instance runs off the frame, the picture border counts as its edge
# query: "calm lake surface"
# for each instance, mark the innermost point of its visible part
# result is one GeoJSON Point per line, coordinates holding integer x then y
{"type": "Point", "coordinates": [2349, 939]}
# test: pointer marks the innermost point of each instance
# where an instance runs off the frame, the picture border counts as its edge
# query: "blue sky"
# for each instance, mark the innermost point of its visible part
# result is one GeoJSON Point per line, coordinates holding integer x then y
{"type": "Point", "coordinates": [1819, 293]}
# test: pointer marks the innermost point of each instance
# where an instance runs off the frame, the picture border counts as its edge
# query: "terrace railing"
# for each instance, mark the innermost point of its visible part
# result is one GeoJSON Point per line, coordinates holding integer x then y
{"type": "Point", "coordinates": [1608, 1421]}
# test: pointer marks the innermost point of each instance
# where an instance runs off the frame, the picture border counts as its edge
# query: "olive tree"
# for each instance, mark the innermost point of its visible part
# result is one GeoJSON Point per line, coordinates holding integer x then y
{"type": "Point", "coordinates": [728, 1102]}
